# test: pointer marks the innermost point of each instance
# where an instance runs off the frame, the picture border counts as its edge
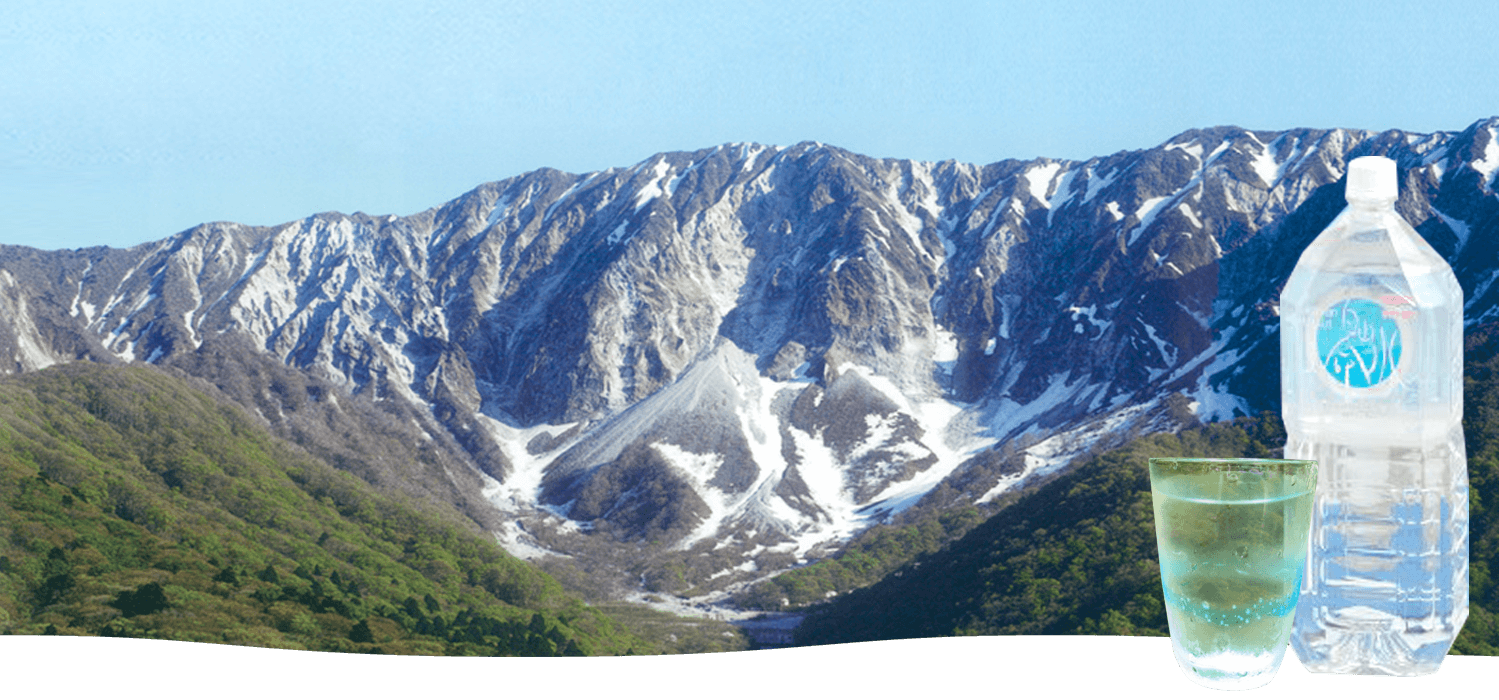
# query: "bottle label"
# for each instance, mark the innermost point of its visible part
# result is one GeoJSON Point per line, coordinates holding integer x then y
{"type": "Point", "coordinates": [1358, 340]}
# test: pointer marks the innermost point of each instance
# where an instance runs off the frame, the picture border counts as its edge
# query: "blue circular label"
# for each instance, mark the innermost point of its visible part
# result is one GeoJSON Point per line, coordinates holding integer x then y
{"type": "Point", "coordinates": [1358, 342]}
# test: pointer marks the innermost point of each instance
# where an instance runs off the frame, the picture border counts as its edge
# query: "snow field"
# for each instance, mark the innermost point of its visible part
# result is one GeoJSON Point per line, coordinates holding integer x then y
{"type": "Point", "coordinates": [519, 493]}
{"type": "Point", "coordinates": [1489, 164]}
{"type": "Point", "coordinates": [29, 352]}
{"type": "Point", "coordinates": [653, 188]}
{"type": "Point", "coordinates": [944, 436]}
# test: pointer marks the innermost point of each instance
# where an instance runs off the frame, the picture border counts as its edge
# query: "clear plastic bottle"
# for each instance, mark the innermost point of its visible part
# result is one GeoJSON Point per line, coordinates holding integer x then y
{"type": "Point", "coordinates": [1371, 387]}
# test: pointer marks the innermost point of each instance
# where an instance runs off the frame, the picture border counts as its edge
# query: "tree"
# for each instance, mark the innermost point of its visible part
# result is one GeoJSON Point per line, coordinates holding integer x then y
{"type": "Point", "coordinates": [269, 574]}
{"type": "Point", "coordinates": [54, 588]}
{"type": "Point", "coordinates": [145, 599]}
{"type": "Point", "coordinates": [361, 632]}
{"type": "Point", "coordinates": [227, 575]}
{"type": "Point", "coordinates": [412, 608]}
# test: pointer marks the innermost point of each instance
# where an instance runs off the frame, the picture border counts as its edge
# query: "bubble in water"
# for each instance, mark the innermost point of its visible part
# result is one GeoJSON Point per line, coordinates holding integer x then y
{"type": "Point", "coordinates": [1242, 551]}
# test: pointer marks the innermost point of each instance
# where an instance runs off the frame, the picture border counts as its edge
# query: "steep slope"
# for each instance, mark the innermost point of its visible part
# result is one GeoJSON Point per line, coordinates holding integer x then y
{"type": "Point", "coordinates": [134, 505]}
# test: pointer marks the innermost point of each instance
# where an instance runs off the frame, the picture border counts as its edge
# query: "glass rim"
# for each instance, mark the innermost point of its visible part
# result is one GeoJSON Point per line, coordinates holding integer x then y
{"type": "Point", "coordinates": [1203, 465]}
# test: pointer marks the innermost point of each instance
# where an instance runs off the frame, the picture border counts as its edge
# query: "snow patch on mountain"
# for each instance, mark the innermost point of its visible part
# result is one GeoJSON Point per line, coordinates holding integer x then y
{"type": "Point", "coordinates": [1038, 181]}
{"type": "Point", "coordinates": [30, 354]}
{"type": "Point", "coordinates": [1090, 313]}
{"type": "Point", "coordinates": [1145, 214]}
{"type": "Point", "coordinates": [1010, 416]}
{"type": "Point", "coordinates": [1191, 148]}
{"type": "Point", "coordinates": [619, 233]}
{"type": "Point", "coordinates": [1186, 210]}
{"type": "Point", "coordinates": [1164, 349]}
{"type": "Point", "coordinates": [820, 470]}
{"type": "Point", "coordinates": [1210, 403]}
{"type": "Point", "coordinates": [79, 305]}
{"type": "Point", "coordinates": [699, 470]}
{"type": "Point", "coordinates": [1478, 292]}
{"type": "Point", "coordinates": [653, 188]}
{"type": "Point", "coordinates": [559, 201]}
{"type": "Point", "coordinates": [1060, 449]}
{"type": "Point", "coordinates": [1264, 163]}
{"type": "Point", "coordinates": [1098, 184]}
{"type": "Point", "coordinates": [953, 443]}
{"type": "Point", "coordinates": [1459, 228]}
{"type": "Point", "coordinates": [1489, 164]}
{"type": "Point", "coordinates": [519, 493]}
{"type": "Point", "coordinates": [1061, 195]}
{"type": "Point", "coordinates": [907, 222]}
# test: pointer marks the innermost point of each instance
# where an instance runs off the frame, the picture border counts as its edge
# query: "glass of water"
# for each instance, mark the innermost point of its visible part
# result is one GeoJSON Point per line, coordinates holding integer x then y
{"type": "Point", "coordinates": [1232, 535]}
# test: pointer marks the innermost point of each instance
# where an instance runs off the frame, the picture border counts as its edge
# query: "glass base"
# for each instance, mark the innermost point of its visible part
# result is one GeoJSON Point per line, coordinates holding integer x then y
{"type": "Point", "coordinates": [1229, 670]}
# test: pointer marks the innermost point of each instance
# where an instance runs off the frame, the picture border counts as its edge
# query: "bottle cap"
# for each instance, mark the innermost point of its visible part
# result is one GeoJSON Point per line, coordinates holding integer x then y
{"type": "Point", "coordinates": [1371, 178]}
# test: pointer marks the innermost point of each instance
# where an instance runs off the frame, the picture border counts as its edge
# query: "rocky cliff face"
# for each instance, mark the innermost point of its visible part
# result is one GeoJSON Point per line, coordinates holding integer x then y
{"type": "Point", "coordinates": [713, 364]}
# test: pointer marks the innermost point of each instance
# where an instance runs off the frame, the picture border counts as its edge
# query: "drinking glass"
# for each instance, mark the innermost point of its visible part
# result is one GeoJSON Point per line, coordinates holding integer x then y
{"type": "Point", "coordinates": [1232, 535]}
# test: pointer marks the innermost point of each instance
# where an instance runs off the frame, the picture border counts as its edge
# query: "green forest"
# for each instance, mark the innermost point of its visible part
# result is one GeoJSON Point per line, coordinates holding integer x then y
{"type": "Point", "coordinates": [132, 504]}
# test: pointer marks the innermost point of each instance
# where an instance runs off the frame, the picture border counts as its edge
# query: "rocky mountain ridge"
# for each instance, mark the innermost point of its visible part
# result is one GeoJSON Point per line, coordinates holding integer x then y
{"type": "Point", "coordinates": [704, 368]}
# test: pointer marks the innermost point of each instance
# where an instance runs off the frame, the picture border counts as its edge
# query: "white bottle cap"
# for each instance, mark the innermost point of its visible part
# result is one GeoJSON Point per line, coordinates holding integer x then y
{"type": "Point", "coordinates": [1371, 178]}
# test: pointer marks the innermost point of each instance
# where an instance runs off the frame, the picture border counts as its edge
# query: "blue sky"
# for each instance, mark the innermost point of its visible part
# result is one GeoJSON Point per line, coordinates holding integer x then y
{"type": "Point", "coordinates": [124, 122]}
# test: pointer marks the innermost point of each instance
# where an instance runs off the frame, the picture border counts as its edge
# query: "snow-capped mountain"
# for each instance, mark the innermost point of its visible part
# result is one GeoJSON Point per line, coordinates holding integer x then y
{"type": "Point", "coordinates": [711, 365]}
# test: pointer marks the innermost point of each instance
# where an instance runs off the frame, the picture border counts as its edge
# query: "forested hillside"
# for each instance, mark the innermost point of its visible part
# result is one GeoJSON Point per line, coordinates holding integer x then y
{"type": "Point", "coordinates": [132, 504]}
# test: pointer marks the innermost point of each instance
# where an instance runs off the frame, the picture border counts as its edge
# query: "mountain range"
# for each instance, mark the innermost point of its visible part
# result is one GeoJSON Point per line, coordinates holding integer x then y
{"type": "Point", "coordinates": [690, 374]}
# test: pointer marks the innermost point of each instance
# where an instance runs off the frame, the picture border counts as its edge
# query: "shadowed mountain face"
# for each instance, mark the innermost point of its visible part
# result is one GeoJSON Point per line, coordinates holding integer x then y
{"type": "Point", "coordinates": [734, 358]}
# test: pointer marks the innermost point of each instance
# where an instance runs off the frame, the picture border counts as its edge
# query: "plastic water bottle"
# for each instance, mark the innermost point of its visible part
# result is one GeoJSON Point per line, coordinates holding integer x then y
{"type": "Point", "coordinates": [1371, 387]}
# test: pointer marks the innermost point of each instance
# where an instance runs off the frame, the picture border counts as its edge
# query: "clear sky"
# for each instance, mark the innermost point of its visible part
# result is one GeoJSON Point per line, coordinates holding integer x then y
{"type": "Point", "coordinates": [127, 121]}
